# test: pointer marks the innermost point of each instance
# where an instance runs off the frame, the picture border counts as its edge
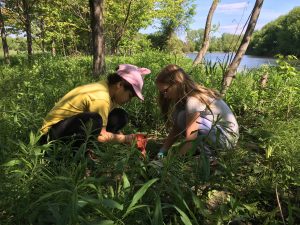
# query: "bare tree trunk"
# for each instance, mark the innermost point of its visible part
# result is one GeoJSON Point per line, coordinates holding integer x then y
{"type": "Point", "coordinates": [63, 47]}
{"type": "Point", "coordinates": [53, 49]}
{"type": "Point", "coordinates": [28, 28]}
{"type": "Point", "coordinates": [206, 37]}
{"type": "Point", "coordinates": [231, 71]}
{"type": "Point", "coordinates": [75, 45]}
{"type": "Point", "coordinates": [43, 35]}
{"type": "Point", "coordinates": [96, 8]}
{"type": "Point", "coordinates": [3, 36]}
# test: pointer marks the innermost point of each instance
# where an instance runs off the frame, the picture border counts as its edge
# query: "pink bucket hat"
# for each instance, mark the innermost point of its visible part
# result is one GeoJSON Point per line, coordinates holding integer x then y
{"type": "Point", "coordinates": [133, 75]}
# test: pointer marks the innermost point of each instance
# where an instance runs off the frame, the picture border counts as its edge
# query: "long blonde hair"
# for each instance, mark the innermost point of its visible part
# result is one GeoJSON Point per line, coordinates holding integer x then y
{"type": "Point", "coordinates": [186, 87]}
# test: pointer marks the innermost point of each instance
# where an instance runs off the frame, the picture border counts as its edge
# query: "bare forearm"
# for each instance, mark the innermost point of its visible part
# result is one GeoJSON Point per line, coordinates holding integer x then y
{"type": "Point", "coordinates": [185, 148]}
{"type": "Point", "coordinates": [172, 137]}
{"type": "Point", "coordinates": [111, 137]}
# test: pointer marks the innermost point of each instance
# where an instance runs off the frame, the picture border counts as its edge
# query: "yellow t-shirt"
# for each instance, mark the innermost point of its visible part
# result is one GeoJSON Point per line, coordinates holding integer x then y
{"type": "Point", "coordinates": [87, 98]}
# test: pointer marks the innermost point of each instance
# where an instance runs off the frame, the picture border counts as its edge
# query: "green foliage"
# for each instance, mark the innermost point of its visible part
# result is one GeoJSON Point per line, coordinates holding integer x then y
{"type": "Point", "coordinates": [194, 38]}
{"type": "Point", "coordinates": [286, 67]}
{"type": "Point", "coordinates": [123, 19]}
{"type": "Point", "coordinates": [225, 43]}
{"type": "Point", "coordinates": [139, 43]}
{"type": "Point", "coordinates": [279, 36]}
{"type": "Point", "coordinates": [174, 45]}
{"type": "Point", "coordinates": [64, 26]}
{"type": "Point", "coordinates": [31, 86]}
{"type": "Point", "coordinates": [123, 188]}
{"type": "Point", "coordinates": [174, 16]}
{"type": "Point", "coordinates": [15, 44]}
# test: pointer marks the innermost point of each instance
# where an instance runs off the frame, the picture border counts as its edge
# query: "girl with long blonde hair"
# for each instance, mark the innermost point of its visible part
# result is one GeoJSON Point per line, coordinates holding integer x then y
{"type": "Point", "coordinates": [194, 110]}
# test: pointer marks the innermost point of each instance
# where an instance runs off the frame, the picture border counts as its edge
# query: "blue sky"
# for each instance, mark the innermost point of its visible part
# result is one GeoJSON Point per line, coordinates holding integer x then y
{"type": "Point", "coordinates": [231, 15]}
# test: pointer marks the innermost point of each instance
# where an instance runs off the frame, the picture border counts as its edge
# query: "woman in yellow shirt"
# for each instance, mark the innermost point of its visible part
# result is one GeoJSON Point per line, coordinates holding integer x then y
{"type": "Point", "coordinates": [95, 104]}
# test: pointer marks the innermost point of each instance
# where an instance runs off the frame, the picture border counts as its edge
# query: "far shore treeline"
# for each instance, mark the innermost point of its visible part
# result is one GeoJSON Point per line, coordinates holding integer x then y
{"type": "Point", "coordinates": [65, 30]}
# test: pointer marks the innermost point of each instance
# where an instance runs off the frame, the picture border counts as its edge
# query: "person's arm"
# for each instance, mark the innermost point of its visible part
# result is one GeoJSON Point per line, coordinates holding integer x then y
{"type": "Point", "coordinates": [191, 132]}
{"type": "Point", "coordinates": [170, 140]}
{"type": "Point", "coordinates": [103, 109]}
{"type": "Point", "coordinates": [106, 136]}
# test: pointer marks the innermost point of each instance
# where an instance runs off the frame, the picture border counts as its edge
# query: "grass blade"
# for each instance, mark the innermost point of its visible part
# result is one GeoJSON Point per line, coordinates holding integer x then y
{"type": "Point", "coordinates": [140, 193]}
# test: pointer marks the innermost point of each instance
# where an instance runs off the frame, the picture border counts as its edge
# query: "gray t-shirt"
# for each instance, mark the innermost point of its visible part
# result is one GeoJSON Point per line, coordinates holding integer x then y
{"type": "Point", "coordinates": [217, 115]}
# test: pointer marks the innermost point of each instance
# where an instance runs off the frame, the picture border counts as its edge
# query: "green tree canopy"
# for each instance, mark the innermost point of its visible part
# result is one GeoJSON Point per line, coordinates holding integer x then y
{"type": "Point", "coordinates": [279, 36]}
{"type": "Point", "coordinates": [194, 38]}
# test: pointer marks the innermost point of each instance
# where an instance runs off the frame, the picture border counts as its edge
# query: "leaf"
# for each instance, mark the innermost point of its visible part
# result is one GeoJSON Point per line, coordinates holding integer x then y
{"type": "Point", "coordinates": [20, 172]}
{"type": "Point", "coordinates": [269, 152]}
{"type": "Point", "coordinates": [90, 200]}
{"type": "Point", "coordinates": [81, 203]}
{"type": "Point", "coordinates": [105, 212]}
{"type": "Point", "coordinates": [112, 204]}
{"type": "Point", "coordinates": [48, 195]}
{"type": "Point", "coordinates": [184, 218]}
{"type": "Point", "coordinates": [90, 185]}
{"type": "Point", "coordinates": [252, 208]}
{"type": "Point", "coordinates": [157, 217]}
{"type": "Point", "coordinates": [140, 193]}
{"type": "Point", "coordinates": [132, 209]}
{"type": "Point", "coordinates": [32, 139]}
{"type": "Point", "coordinates": [126, 183]}
{"type": "Point", "coordinates": [12, 163]}
{"type": "Point", "coordinates": [190, 211]}
{"type": "Point", "coordinates": [105, 222]}
{"type": "Point", "coordinates": [197, 201]}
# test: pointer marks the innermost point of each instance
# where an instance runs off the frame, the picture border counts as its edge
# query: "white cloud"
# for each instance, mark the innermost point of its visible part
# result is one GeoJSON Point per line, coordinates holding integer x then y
{"type": "Point", "coordinates": [232, 7]}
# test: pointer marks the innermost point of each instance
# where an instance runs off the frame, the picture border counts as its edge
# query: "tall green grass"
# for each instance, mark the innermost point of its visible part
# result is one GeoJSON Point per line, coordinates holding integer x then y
{"type": "Point", "coordinates": [256, 183]}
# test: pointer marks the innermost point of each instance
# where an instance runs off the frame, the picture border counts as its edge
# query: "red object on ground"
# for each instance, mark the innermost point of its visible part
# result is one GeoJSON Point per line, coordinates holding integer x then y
{"type": "Point", "coordinates": [141, 143]}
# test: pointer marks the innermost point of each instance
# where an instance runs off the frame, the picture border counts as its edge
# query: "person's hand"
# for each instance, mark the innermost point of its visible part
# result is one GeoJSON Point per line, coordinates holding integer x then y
{"type": "Point", "coordinates": [161, 153]}
{"type": "Point", "coordinates": [105, 137]}
{"type": "Point", "coordinates": [141, 142]}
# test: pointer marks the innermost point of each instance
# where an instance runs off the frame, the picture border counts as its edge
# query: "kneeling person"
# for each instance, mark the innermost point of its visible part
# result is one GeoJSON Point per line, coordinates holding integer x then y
{"type": "Point", "coordinates": [96, 104]}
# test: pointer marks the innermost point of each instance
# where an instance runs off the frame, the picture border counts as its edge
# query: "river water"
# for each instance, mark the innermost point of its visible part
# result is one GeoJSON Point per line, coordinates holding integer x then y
{"type": "Point", "coordinates": [248, 61]}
